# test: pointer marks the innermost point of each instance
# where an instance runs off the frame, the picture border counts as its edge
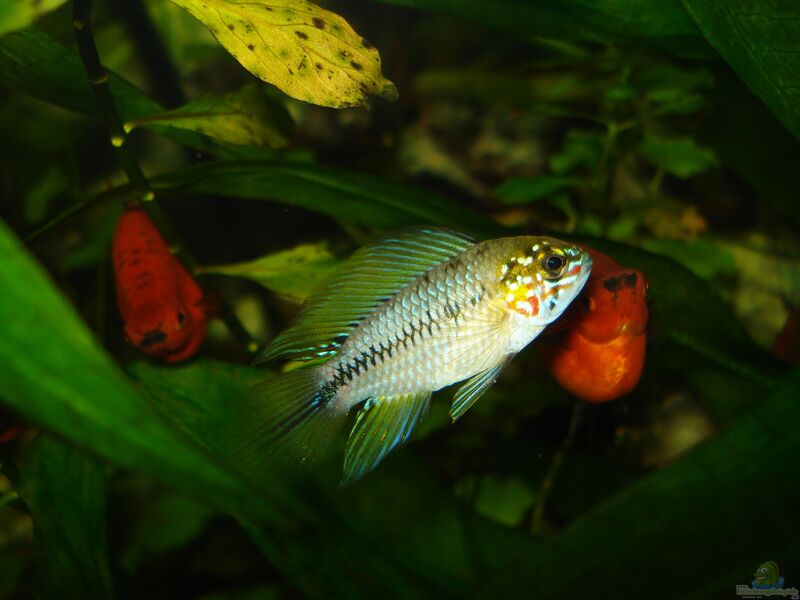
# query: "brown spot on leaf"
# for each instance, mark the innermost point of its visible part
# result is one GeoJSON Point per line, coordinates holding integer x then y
{"type": "Point", "coordinates": [355, 65]}
{"type": "Point", "coordinates": [366, 44]}
{"type": "Point", "coordinates": [268, 9]}
{"type": "Point", "coordinates": [230, 26]}
{"type": "Point", "coordinates": [318, 66]}
{"type": "Point", "coordinates": [251, 47]}
{"type": "Point", "coordinates": [301, 35]}
{"type": "Point", "coordinates": [318, 23]}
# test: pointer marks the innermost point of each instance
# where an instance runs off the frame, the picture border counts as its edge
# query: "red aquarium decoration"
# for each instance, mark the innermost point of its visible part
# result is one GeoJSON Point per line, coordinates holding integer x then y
{"type": "Point", "coordinates": [162, 306]}
{"type": "Point", "coordinates": [596, 350]}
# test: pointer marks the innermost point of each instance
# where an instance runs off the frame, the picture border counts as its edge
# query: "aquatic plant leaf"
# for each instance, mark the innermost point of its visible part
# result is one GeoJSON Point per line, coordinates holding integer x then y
{"type": "Point", "coordinates": [33, 62]}
{"type": "Point", "coordinates": [196, 398]}
{"type": "Point", "coordinates": [760, 39]}
{"type": "Point", "coordinates": [65, 491]}
{"type": "Point", "coordinates": [345, 195]}
{"type": "Point", "coordinates": [309, 53]}
{"type": "Point", "coordinates": [660, 23]}
{"type": "Point", "coordinates": [247, 117]}
{"type": "Point", "coordinates": [678, 156]}
{"type": "Point", "coordinates": [292, 273]}
{"type": "Point", "coordinates": [55, 374]}
{"type": "Point", "coordinates": [18, 14]}
{"type": "Point", "coordinates": [522, 190]}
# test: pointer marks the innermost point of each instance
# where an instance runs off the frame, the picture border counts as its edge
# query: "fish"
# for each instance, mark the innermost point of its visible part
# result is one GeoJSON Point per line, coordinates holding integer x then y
{"type": "Point", "coordinates": [596, 350]}
{"type": "Point", "coordinates": [162, 307]}
{"type": "Point", "coordinates": [400, 319]}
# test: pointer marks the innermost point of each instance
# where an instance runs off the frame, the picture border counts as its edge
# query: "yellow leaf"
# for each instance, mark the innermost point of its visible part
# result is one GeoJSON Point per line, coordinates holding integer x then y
{"type": "Point", "coordinates": [309, 53]}
{"type": "Point", "coordinates": [292, 273]}
{"type": "Point", "coordinates": [16, 14]}
{"type": "Point", "coordinates": [247, 117]}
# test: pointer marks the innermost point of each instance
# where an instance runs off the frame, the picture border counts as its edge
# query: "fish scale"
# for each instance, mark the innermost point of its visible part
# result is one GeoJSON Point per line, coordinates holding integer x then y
{"type": "Point", "coordinates": [402, 318]}
{"type": "Point", "coordinates": [426, 328]}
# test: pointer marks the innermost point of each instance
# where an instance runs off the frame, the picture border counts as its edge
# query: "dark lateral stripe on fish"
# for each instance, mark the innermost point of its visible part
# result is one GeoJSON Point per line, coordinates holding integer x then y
{"type": "Point", "coordinates": [346, 372]}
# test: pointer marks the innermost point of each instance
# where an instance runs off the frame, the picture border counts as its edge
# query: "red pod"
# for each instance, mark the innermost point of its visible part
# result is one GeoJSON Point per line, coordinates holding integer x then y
{"type": "Point", "coordinates": [162, 306]}
{"type": "Point", "coordinates": [596, 349]}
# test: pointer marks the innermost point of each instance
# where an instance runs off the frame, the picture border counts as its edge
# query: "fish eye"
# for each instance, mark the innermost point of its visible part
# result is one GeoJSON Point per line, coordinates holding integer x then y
{"type": "Point", "coordinates": [553, 264]}
{"type": "Point", "coordinates": [181, 318]}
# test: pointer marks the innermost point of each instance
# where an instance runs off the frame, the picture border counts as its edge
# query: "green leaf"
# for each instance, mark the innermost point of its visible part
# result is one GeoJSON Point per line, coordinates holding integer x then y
{"type": "Point", "coordinates": [18, 14]}
{"type": "Point", "coordinates": [710, 495]}
{"type": "Point", "coordinates": [521, 190]}
{"type": "Point", "coordinates": [65, 490]}
{"type": "Point", "coordinates": [307, 52]}
{"type": "Point", "coordinates": [247, 117]}
{"type": "Point", "coordinates": [54, 374]}
{"type": "Point", "coordinates": [345, 195]}
{"type": "Point", "coordinates": [660, 23]}
{"type": "Point", "coordinates": [31, 61]}
{"type": "Point", "coordinates": [679, 156]}
{"type": "Point", "coordinates": [170, 522]}
{"type": "Point", "coordinates": [760, 39]}
{"type": "Point", "coordinates": [292, 273]}
{"type": "Point", "coordinates": [195, 398]}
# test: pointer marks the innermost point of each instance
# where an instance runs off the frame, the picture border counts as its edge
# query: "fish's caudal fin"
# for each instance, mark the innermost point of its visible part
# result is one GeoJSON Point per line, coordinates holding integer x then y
{"type": "Point", "coordinates": [383, 424]}
{"type": "Point", "coordinates": [283, 424]}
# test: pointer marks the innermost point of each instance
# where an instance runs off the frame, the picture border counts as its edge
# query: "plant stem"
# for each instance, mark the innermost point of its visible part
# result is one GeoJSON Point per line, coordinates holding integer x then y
{"type": "Point", "coordinates": [537, 518]}
{"type": "Point", "coordinates": [98, 77]}
{"type": "Point", "coordinates": [143, 194]}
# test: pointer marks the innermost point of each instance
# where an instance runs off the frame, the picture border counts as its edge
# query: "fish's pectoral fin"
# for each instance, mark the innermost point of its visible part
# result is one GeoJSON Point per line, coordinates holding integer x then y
{"type": "Point", "coordinates": [474, 388]}
{"type": "Point", "coordinates": [383, 424]}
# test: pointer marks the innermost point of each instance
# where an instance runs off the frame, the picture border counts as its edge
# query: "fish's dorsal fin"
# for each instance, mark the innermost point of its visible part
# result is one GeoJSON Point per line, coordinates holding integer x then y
{"type": "Point", "coordinates": [474, 388]}
{"type": "Point", "coordinates": [364, 281]}
{"type": "Point", "coordinates": [383, 424]}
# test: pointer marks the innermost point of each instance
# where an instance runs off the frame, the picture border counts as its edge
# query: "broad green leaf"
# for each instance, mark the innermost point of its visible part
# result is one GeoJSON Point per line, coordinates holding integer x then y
{"type": "Point", "coordinates": [660, 23]}
{"type": "Point", "coordinates": [292, 273]}
{"type": "Point", "coordinates": [679, 156]}
{"type": "Point", "coordinates": [56, 375]}
{"type": "Point", "coordinates": [247, 117]}
{"type": "Point", "coordinates": [521, 190]}
{"type": "Point", "coordinates": [65, 491]}
{"type": "Point", "coordinates": [711, 494]}
{"type": "Point", "coordinates": [170, 522]}
{"type": "Point", "coordinates": [391, 538]}
{"type": "Point", "coordinates": [345, 195]}
{"type": "Point", "coordinates": [18, 14]}
{"type": "Point", "coordinates": [760, 39]}
{"type": "Point", "coordinates": [32, 62]}
{"type": "Point", "coordinates": [307, 52]}
{"type": "Point", "coordinates": [195, 398]}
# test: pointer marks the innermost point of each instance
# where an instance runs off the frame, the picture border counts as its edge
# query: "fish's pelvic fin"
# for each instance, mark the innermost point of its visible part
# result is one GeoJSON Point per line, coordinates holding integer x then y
{"type": "Point", "coordinates": [284, 424]}
{"type": "Point", "coordinates": [383, 424]}
{"type": "Point", "coordinates": [474, 388]}
{"type": "Point", "coordinates": [363, 282]}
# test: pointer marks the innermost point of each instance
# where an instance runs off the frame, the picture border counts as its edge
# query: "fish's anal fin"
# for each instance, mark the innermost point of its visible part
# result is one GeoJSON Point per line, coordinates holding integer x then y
{"type": "Point", "coordinates": [383, 424]}
{"type": "Point", "coordinates": [474, 388]}
{"type": "Point", "coordinates": [363, 282]}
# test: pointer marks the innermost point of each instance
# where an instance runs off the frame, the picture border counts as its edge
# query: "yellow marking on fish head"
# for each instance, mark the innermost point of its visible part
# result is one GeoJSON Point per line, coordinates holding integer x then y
{"type": "Point", "coordinates": [540, 278]}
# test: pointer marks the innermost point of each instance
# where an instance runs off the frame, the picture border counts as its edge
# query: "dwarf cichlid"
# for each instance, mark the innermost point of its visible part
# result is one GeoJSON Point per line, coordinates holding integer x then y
{"type": "Point", "coordinates": [400, 319]}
